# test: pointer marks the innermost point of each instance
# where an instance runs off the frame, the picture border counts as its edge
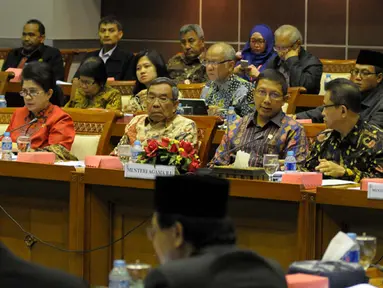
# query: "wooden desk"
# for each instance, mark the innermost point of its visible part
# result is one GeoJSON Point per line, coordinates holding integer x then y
{"type": "Point", "coordinates": [348, 211]}
{"type": "Point", "coordinates": [15, 87]}
{"type": "Point", "coordinates": [45, 200]}
{"type": "Point", "coordinates": [270, 218]}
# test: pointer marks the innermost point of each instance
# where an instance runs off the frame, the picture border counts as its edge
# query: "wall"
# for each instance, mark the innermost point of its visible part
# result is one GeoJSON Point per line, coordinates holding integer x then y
{"type": "Point", "coordinates": [332, 28]}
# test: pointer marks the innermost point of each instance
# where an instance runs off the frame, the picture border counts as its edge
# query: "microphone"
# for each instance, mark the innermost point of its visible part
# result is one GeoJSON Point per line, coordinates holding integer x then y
{"type": "Point", "coordinates": [34, 120]}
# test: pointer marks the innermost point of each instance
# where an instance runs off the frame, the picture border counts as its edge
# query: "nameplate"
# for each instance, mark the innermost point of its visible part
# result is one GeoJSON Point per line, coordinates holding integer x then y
{"type": "Point", "coordinates": [375, 191]}
{"type": "Point", "coordinates": [147, 171]}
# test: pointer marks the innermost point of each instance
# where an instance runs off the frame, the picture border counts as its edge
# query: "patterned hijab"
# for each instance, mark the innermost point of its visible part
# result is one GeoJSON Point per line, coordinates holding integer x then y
{"type": "Point", "coordinates": [260, 59]}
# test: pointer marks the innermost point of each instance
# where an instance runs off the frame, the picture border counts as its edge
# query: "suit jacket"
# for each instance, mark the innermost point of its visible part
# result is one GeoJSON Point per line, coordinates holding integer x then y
{"type": "Point", "coordinates": [15, 272]}
{"type": "Point", "coordinates": [218, 267]}
{"type": "Point", "coordinates": [372, 109]}
{"type": "Point", "coordinates": [304, 70]}
{"type": "Point", "coordinates": [44, 53]}
{"type": "Point", "coordinates": [119, 65]}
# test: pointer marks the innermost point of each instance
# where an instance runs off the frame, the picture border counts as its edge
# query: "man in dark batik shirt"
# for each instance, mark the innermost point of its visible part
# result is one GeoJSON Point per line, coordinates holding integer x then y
{"type": "Point", "coordinates": [351, 149]}
{"type": "Point", "coordinates": [268, 130]}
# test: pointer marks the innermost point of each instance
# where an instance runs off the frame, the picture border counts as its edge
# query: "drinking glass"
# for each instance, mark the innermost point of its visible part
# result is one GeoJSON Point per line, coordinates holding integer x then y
{"type": "Point", "coordinates": [270, 164]}
{"type": "Point", "coordinates": [124, 153]}
{"type": "Point", "coordinates": [367, 246]}
{"type": "Point", "coordinates": [23, 143]}
{"type": "Point", "coordinates": [188, 110]}
{"type": "Point", "coordinates": [138, 272]}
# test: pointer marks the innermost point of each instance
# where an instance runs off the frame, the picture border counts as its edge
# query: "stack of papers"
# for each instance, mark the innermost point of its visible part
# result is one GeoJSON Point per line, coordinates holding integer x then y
{"type": "Point", "coordinates": [335, 182]}
{"type": "Point", "coordinates": [72, 163]}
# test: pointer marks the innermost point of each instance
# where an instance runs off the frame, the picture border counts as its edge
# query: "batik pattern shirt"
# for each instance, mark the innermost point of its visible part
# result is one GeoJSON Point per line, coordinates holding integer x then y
{"type": "Point", "coordinates": [360, 152]}
{"type": "Point", "coordinates": [279, 135]}
{"type": "Point", "coordinates": [183, 71]}
{"type": "Point", "coordinates": [53, 131]}
{"type": "Point", "coordinates": [235, 92]}
{"type": "Point", "coordinates": [107, 98]}
{"type": "Point", "coordinates": [142, 128]}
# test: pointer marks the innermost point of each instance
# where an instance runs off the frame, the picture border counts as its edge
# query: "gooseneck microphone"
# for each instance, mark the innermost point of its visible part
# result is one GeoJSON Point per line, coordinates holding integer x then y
{"type": "Point", "coordinates": [34, 120]}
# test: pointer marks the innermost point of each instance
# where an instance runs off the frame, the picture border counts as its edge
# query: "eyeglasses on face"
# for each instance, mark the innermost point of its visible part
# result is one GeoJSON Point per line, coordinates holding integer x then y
{"type": "Point", "coordinates": [362, 73]}
{"type": "Point", "coordinates": [257, 41]}
{"type": "Point", "coordinates": [31, 93]}
{"type": "Point", "coordinates": [86, 83]}
{"type": "Point", "coordinates": [213, 63]}
{"type": "Point", "coordinates": [261, 93]}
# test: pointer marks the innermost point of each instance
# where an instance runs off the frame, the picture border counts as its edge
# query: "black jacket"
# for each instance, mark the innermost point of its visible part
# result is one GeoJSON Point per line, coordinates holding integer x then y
{"type": "Point", "coordinates": [304, 70]}
{"type": "Point", "coordinates": [218, 267]}
{"type": "Point", "coordinates": [119, 65]}
{"type": "Point", "coordinates": [372, 109]}
{"type": "Point", "coordinates": [15, 272]}
{"type": "Point", "coordinates": [48, 54]}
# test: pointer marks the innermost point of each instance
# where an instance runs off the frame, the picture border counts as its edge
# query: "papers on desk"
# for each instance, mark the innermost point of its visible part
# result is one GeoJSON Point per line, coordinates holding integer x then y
{"type": "Point", "coordinates": [80, 164]}
{"type": "Point", "coordinates": [338, 246]}
{"type": "Point", "coordinates": [362, 286]}
{"type": "Point", "coordinates": [335, 182]}
{"type": "Point", "coordinates": [58, 82]}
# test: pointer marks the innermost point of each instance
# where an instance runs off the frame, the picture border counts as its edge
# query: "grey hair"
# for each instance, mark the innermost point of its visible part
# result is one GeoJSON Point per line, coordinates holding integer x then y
{"type": "Point", "coordinates": [192, 27]}
{"type": "Point", "coordinates": [292, 31]}
{"type": "Point", "coordinates": [170, 82]}
{"type": "Point", "coordinates": [227, 49]}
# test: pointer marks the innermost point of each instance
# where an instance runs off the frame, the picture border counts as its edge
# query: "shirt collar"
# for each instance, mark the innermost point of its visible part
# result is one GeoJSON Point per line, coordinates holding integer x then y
{"type": "Point", "coordinates": [40, 114]}
{"type": "Point", "coordinates": [107, 54]}
{"type": "Point", "coordinates": [353, 136]}
{"type": "Point", "coordinates": [277, 119]}
{"type": "Point", "coordinates": [164, 123]}
{"type": "Point", "coordinates": [224, 85]}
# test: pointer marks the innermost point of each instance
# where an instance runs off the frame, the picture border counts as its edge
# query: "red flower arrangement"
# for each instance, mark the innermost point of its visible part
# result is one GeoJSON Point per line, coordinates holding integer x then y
{"type": "Point", "coordinates": [181, 154]}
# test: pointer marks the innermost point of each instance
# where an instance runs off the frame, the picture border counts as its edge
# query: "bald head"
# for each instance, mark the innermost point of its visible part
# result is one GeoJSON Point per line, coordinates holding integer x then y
{"type": "Point", "coordinates": [224, 49]}
{"type": "Point", "coordinates": [221, 59]}
{"type": "Point", "coordinates": [290, 32]}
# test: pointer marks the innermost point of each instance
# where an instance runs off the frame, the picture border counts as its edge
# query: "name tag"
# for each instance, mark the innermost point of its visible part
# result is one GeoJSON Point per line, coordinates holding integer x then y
{"type": "Point", "coordinates": [147, 171]}
{"type": "Point", "coordinates": [375, 191]}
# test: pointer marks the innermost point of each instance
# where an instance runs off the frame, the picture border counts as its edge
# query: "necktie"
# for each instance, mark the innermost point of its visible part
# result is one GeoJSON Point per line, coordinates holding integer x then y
{"type": "Point", "coordinates": [22, 63]}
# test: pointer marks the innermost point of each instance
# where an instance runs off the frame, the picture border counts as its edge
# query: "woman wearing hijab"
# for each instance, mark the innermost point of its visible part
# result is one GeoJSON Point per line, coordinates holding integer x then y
{"type": "Point", "coordinates": [257, 51]}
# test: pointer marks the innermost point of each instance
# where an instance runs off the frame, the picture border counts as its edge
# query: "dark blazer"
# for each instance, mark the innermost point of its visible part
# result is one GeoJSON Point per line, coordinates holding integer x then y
{"type": "Point", "coordinates": [48, 54]}
{"type": "Point", "coordinates": [218, 267]}
{"type": "Point", "coordinates": [119, 65]}
{"type": "Point", "coordinates": [15, 272]}
{"type": "Point", "coordinates": [304, 70]}
{"type": "Point", "coordinates": [372, 109]}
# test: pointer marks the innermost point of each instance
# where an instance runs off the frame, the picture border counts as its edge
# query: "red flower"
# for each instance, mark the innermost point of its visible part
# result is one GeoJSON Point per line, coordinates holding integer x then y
{"type": "Point", "coordinates": [193, 166]}
{"type": "Point", "coordinates": [188, 147]}
{"type": "Point", "coordinates": [165, 142]}
{"type": "Point", "coordinates": [151, 148]}
{"type": "Point", "coordinates": [173, 148]}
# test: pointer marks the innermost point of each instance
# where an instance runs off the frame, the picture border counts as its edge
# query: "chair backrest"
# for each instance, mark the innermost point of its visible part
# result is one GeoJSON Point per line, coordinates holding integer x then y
{"type": "Point", "coordinates": [206, 126]}
{"type": "Point", "coordinates": [309, 100]}
{"type": "Point", "coordinates": [3, 55]}
{"type": "Point", "coordinates": [293, 92]}
{"type": "Point", "coordinates": [125, 87]}
{"type": "Point", "coordinates": [4, 80]}
{"type": "Point", "coordinates": [93, 131]}
{"type": "Point", "coordinates": [336, 69]}
{"type": "Point", "coordinates": [68, 55]}
{"type": "Point", "coordinates": [191, 90]}
{"type": "Point", "coordinates": [312, 130]}
{"type": "Point", "coordinates": [5, 118]}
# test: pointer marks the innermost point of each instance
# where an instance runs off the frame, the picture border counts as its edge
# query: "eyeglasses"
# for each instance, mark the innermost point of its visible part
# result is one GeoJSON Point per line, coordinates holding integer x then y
{"type": "Point", "coordinates": [263, 93]}
{"type": "Point", "coordinates": [362, 73]}
{"type": "Point", "coordinates": [257, 41]}
{"type": "Point", "coordinates": [161, 99]}
{"type": "Point", "coordinates": [86, 83]}
{"type": "Point", "coordinates": [212, 63]}
{"type": "Point", "coordinates": [33, 93]}
{"type": "Point", "coordinates": [283, 49]}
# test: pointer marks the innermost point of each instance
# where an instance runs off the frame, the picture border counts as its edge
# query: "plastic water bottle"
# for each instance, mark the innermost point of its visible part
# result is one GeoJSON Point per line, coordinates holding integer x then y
{"type": "Point", "coordinates": [6, 147]}
{"type": "Point", "coordinates": [231, 116]}
{"type": "Point", "coordinates": [180, 109]}
{"type": "Point", "coordinates": [135, 150]}
{"type": "Point", "coordinates": [119, 276]}
{"type": "Point", "coordinates": [290, 162]}
{"type": "Point", "coordinates": [327, 79]}
{"type": "Point", "coordinates": [352, 255]}
{"type": "Point", "coordinates": [3, 102]}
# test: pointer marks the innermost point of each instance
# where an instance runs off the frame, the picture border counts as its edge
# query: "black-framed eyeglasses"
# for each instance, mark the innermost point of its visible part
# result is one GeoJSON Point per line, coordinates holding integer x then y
{"type": "Point", "coordinates": [257, 41]}
{"type": "Point", "coordinates": [213, 63]}
{"type": "Point", "coordinates": [86, 83]}
{"type": "Point", "coordinates": [362, 73]}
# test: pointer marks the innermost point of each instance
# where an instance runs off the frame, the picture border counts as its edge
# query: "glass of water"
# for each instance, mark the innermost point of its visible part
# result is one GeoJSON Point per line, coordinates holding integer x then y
{"type": "Point", "coordinates": [270, 164]}
{"type": "Point", "coordinates": [367, 246]}
{"type": "Point", "coordinates": [23, 143]}
{"type": "Point", "coordinates": [124, 153]}
{"type": "Point", "coordinates": [138, 271]}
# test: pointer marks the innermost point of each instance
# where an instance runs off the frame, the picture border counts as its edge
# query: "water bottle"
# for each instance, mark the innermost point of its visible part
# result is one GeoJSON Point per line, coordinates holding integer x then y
{"type": "Point", "coordinates": [180, 109]}
{"type": "Point", "coordinates": [3, 102]}
{"type": "Point", "coordinates": [327, 79]}
{"type": "Point", "coordinates": [352, 255]}
{"type": "Point", "coordinates": [135, 150]}
{"type": "Point", "coordinates": [119, 276]}
{"type": "Point", "coordinates": [6, 147]}
{"type": "Point", "coordinates": [231, 116]}
{"type": "Point", "coordinates": [290, 162]}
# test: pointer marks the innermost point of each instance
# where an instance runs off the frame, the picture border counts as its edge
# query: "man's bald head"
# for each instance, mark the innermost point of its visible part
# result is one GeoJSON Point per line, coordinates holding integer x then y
{"type": "Point", "coordinates": [287, 38]}
{"type": "Point", "coordinates": [224, 49]}
{"type": "Point", "coordinates": [220, 59]}
{"type": "Point", "coordinates": [290, 32]}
